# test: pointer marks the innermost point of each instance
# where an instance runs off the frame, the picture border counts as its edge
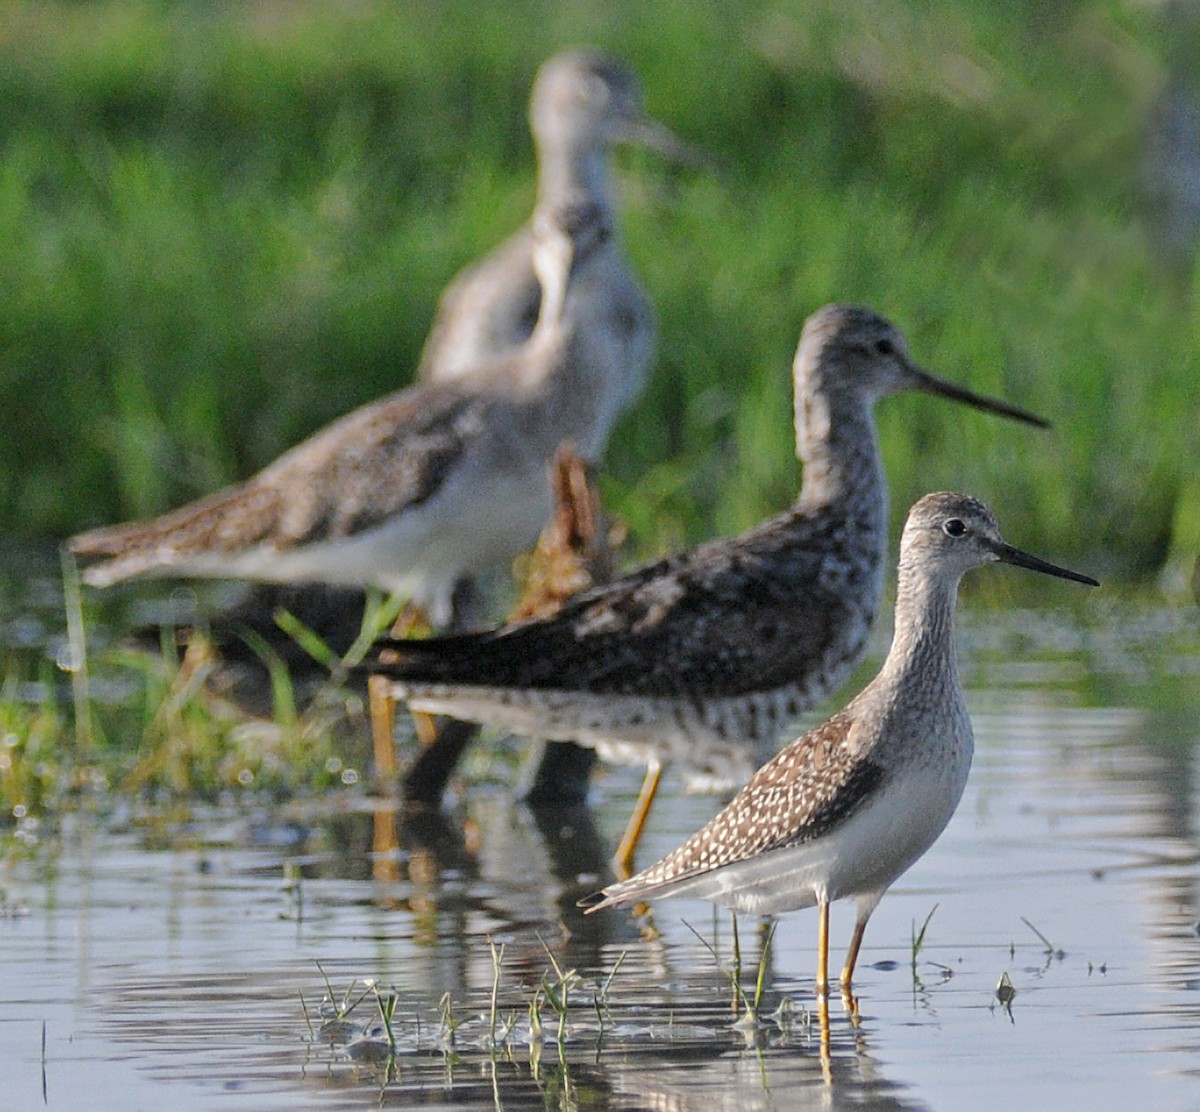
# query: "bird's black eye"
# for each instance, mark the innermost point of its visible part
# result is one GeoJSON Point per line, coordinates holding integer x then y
{"type": "Point", "coordinates": [885, 346]}
{"type": "Point", "coordinates": [954, 527]}
{"type": "Point", "coordinates": [595, 90]}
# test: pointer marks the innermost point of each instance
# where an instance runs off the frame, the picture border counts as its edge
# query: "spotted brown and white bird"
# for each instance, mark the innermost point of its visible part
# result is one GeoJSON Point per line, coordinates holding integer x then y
{"type": "Point", "coordinates": [844, 810]}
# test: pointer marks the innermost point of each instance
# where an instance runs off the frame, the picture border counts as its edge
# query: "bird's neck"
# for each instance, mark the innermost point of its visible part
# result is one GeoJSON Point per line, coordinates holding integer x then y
{"type": "Point", "coordinates": [564, 377]}
{"type": "Point", "coordinates": [922, 660]}
{"type": "Point", "coordinates": [837, 444]}
{"type": "Point", "coordinates": [566, 170]}
{"type": "Point", "coordinates": [568, 295]}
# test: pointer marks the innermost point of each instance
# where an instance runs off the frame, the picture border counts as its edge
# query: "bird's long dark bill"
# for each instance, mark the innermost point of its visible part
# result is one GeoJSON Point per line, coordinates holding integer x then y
{"type": "Point", "coordinates": [1009, 555]}
{"type": "Point", "coordinates": [658, 137]}
{"type": "Point", "coordinates": [933, 385]}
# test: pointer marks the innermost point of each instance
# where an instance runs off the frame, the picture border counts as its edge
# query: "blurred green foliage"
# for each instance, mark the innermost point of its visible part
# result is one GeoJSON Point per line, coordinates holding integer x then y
{"type": "Point", "coordinates": [224, 224]}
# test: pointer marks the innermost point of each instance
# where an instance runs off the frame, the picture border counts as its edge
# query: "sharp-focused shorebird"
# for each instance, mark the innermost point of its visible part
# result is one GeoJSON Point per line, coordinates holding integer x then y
{"type": "Point", "coordinates": [706, 656]}
{"type": "Point", "coordinates": [426, 486]}
{"type": "Point", "coordinates": [844, 810]}
{"type": "Point", "coordinates": [583, 102]}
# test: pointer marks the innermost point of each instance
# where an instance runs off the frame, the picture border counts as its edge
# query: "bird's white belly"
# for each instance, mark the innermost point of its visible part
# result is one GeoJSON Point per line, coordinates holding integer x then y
{"type": "Point", "coordinates": [468, 527]}
{"type": "Point", "coordinates": [623, 729]}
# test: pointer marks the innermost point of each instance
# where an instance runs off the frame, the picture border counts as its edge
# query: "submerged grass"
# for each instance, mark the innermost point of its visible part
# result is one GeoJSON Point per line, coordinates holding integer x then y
{"type": "Point", "coordinates": [918, 944]}
{"type": "Point", "coordinates": [550, 1027]}
{"type": "Point", "coordinates": [158, 726]}
{"type": "Point", "coordinates": [194, 743]}
{"type": "Point", "coordinates": [747, 1007]}
{"type": "Point", "coordinates": [461, 1032]}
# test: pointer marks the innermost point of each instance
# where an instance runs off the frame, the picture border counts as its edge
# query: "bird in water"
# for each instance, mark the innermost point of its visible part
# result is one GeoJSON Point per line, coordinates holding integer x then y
{"type": "Point", "coordinates": [842, 811]}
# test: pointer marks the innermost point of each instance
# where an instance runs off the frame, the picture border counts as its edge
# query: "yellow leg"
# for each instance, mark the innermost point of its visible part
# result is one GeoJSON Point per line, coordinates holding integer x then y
{"type": "Point", "coordinates": [384, 859]}
{"type": "Point", "coordinates": [623, 861]}
{"type": "Point", "coordinates": [823, 951]}
{"type": "Point", "coordinates": [412, 621]}
{"type": "Point", "coordinates": [382, 707]}
{"type": "Point", "coordinates": [426, 728]}
{"type": "Point", "coordinates": [823, 1025]}
{"type": "Point", "coordinates": [852, 955]}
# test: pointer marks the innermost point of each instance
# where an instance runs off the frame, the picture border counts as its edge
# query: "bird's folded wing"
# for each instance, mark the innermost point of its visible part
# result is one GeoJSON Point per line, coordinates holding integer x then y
{"type": "Point", "coordinates": [724, 618]}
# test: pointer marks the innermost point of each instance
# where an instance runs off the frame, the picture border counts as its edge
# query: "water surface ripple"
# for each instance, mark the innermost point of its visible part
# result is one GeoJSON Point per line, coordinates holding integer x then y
{"type": "Point", "coordinates": [184, 964]}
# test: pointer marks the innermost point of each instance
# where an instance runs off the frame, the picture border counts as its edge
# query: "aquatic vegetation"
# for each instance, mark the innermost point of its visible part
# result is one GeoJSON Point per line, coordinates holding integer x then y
{"type": "Point", "coordinates": [512, 1021]}
{"type": "Point", "coordinates": [918, 943]}
{"type": "Point", "coordinates": [166, 724]}
{"type": "Point", "coordinates": [745, 1006]}
{"type": "Point", "coordinates": [1005, 995]}
{"type": "Point", "coordinates": [31, 729]}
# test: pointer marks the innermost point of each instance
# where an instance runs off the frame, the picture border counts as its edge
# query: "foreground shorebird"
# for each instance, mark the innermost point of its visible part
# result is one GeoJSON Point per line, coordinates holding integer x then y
{"type": "Point", "coordinates": [706, 656]}
{"type": "Point", "coordinates": [844, 810]}
{"type": "Point", "coordinates": [427, 486]}
{"type": "Point", "coordinates": [582, 103]}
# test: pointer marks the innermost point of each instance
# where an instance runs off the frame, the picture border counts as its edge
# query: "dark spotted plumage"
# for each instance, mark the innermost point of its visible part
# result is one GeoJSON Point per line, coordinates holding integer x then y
{"type": "Point", "coordinates": [727, 618]}
{"type": "Point", "coordinates": [799, 795]}
{"type": "Point", "coordinates": [727, 642]}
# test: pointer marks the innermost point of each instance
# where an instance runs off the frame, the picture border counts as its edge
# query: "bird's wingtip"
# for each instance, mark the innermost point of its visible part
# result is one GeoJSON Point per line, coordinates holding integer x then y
{"type": "Point", "coordinates": [383, 655]}
{"type": "Point", "coordinates": [597, 901]}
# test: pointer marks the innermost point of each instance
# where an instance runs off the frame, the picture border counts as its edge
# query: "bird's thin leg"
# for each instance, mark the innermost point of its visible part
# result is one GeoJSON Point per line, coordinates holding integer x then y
{"type": "Point", "coordinates": [826, 1050]}
{"type": "Point", "coordinates": [822, 948]}
{"type": "Point", "coordinates": [413, 621]}
{"type": "Point", "coordinates": [385, 861]}
{"type": "Point", "coordinates": [860, 928]}
{"type": "Point", "coordinates": [823, 986]}
{"type": "Point", "coordinates": [849, 1000]}
{"type": "Point", "coordinates": [382, 707]}
{"type": "Point", "coordinates": [623, 860]}
{"type": "Point", "coordinates": [426, 728]}
{"type": "Point", "coordinates": [429, 772]}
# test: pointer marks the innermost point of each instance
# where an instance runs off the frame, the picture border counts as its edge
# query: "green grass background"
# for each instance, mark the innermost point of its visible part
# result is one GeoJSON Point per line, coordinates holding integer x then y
{"type": "Point", "coordinates": [224, 224]}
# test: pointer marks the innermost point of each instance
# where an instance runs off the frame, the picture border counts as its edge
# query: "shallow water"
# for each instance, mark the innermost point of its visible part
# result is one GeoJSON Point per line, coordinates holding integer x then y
{"type": "Point", "coordinates": [174, 962]}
